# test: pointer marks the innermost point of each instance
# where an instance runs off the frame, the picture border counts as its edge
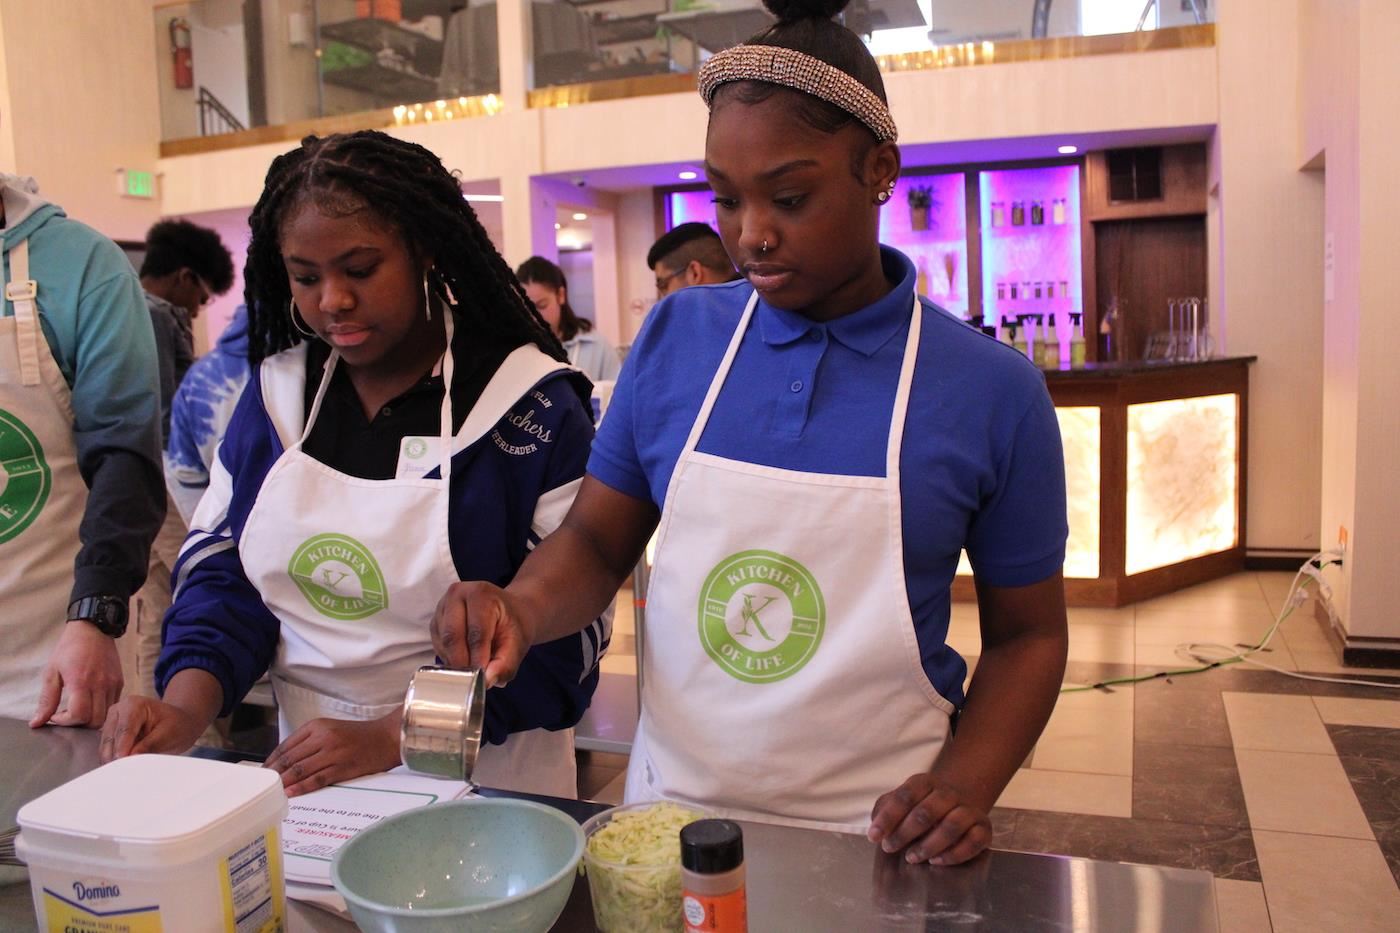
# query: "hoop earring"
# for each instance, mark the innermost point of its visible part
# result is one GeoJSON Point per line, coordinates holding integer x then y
{"type": "Point", "coordinates": [297, 324]}
{"type": "Point", "coordinates": [427, 297]}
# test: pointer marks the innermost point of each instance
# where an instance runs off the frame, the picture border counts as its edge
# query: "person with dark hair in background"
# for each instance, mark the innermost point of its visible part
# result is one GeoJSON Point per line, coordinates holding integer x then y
{"type": "Point", "coordinates": [689, 254]}
{"type": "Point", "coordinates": [80, 446]}
{"type": "Point", "coordinates": [817, 445]}
{"type": "Point", "coordinates": [185, 266]}
{"type": "Point", "coordinates": [410, 421]}
{"type": "Point", "coordinates": [589, 350]}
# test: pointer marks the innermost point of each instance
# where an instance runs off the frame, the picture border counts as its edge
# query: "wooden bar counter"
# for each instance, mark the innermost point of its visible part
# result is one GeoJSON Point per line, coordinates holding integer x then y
{"type": "Point", "coordinates": [1155, 472]}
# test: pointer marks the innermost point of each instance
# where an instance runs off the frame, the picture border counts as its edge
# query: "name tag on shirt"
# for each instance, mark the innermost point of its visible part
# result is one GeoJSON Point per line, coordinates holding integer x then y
{"type": "Point", "coordinates": [418, 455]}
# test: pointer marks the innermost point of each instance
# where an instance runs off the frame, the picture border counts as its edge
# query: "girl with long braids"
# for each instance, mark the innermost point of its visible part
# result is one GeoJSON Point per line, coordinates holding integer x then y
{"type": "Point", "coordinates": [411, 422]}
{"type": "Point", "coordinates": [818, 445]}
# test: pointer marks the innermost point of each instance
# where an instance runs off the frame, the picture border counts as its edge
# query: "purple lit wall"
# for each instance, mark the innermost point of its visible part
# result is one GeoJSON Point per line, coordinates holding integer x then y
{"type": "Point", "coordinates": [1032, 268]}
{"type": "Point", "coordinates": [939, 253]}
{"type": "Point", "coordinates": [682, 207]}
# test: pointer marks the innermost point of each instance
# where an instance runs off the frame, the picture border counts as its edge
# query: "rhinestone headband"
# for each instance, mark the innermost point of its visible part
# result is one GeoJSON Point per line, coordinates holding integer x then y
{"type": "Point", "coordinates": [800, 72]}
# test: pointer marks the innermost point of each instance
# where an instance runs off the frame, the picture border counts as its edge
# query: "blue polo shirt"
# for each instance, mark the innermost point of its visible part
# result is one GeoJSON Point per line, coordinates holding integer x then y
{"type": "Point", "coordinates": [981, 465]}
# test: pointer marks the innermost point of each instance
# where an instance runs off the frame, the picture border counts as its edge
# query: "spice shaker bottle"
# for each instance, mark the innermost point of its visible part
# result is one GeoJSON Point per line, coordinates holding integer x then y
{"type": "Point", "coordinates": [714, 898]}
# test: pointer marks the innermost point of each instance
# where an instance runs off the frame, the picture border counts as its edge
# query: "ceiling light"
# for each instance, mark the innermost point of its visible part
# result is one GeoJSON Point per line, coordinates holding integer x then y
{"type": "Point", "coordinates": [580, 217]}
{"type": "Point", "coordinates": [496, 198]}
{"type": "Point", "coordinates": [558, 226]}
{"type": "Point", "coordinates": [1068, 150]}
{"type": "Point", "coordinates": [689, 176]}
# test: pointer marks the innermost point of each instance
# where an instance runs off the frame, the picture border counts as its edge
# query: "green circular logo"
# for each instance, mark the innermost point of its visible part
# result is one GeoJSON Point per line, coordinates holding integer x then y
{"type": "Point", "coordinates": [415, 449]}
{"type": "Point", "coordinates": [761, 616]}
{"type": "Point", "coordinates": [25, 478]}
{"type": "Point", "coordinates": [339, 577]}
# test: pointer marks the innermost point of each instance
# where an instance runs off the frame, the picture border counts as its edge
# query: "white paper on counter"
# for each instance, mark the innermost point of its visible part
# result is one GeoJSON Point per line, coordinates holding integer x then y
{"type": "Point", "coordinates": [327, 899]}
{"type": "Point", "coordinates": [319, 823]}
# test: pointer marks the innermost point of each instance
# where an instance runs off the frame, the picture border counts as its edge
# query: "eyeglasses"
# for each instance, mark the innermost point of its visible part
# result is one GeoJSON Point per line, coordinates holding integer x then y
{"type": "Point", "coordinates": [206, 294]}
{"type": "Point", "coordinates": [663, 280]}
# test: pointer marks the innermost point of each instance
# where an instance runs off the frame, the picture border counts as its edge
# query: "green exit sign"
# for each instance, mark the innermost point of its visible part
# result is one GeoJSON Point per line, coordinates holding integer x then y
{"type": "Point", "coordinates": [139, 184]}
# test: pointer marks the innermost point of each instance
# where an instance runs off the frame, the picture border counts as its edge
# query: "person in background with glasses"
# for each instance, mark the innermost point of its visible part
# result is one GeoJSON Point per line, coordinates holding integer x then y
{"type": "Point", "coordinates": [185, 267]}
{"type": "Point", "coordinates": [690, 254]}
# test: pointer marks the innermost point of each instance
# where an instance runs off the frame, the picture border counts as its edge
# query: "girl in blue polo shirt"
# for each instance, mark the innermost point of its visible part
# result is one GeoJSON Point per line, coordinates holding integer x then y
{"type": "Point", "coordinates": [814, 445]}
{"type": "Point", "coordinates": [410, 422]}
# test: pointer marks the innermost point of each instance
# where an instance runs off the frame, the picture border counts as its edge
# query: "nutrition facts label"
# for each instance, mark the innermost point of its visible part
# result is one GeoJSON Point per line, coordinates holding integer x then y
{"type": "Point", "coordinates": [250, 904]}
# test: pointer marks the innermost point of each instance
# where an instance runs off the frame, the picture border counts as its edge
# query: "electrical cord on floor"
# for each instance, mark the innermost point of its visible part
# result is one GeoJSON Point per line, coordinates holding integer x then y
{"type": "Point", "coordinates": [1297, 595]}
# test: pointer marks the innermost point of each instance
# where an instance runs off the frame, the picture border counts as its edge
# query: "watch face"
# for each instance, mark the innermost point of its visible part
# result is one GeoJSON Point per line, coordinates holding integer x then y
{"type": "Point", "coordinates": [107, 613]}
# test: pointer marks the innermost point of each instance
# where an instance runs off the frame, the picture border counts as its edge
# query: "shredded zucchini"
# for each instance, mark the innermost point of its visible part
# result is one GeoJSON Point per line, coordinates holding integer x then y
{"type": "Point", "coordinates": [634, 870]}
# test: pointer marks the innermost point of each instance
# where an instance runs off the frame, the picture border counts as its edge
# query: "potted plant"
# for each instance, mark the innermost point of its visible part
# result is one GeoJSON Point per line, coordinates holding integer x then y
{"type": "Point", "coordinates": [920, 201]}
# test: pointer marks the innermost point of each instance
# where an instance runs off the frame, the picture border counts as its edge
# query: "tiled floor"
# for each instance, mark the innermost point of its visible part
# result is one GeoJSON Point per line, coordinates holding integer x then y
{"type": "Point", "coordinates": [1288, 791]}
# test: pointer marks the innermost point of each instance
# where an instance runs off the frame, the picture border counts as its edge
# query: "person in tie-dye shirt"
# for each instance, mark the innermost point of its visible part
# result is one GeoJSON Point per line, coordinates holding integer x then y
{"type": "Point", "coordinates": [200, 412]}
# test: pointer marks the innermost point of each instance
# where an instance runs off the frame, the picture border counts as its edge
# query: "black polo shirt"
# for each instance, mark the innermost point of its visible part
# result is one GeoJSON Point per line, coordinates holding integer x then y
{"type": "Point", "coordinates": [344, 439]}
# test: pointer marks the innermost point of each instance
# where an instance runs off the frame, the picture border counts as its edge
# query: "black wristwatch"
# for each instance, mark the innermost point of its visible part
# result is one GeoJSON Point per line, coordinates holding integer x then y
{"type": "Point", "coordinates": [108, 613]}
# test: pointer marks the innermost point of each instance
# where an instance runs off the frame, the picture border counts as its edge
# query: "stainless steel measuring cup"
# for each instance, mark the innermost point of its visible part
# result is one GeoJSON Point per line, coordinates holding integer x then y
{"type": "Point", "coordinates": [443, 713]}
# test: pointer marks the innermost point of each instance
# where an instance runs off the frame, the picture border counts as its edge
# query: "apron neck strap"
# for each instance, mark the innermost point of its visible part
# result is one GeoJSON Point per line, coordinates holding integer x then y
{"type": "Point", "coordinates": [901, 399]}
{"type": "Point", "coordinates": [23, 293]}
{"type": "Point", "coordinates": [444, 412]}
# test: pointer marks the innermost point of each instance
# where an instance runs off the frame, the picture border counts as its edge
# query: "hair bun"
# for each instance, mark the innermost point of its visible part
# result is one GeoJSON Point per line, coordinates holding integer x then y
{"type": "Point", "coordinates": [789, 11]}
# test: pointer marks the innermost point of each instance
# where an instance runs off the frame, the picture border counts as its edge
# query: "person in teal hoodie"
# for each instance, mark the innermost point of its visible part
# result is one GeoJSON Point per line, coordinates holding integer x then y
{"type": "Point", "coordinates": [81, 487]}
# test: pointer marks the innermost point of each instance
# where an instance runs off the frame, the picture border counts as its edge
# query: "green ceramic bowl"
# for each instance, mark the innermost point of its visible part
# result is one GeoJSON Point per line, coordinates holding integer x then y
{"type": "Point", "coordinates": [490, 866]}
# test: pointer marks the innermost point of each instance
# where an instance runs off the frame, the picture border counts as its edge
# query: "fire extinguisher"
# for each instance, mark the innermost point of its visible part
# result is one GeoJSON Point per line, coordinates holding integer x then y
{"type": "Point", "coordinates": [184, 57]}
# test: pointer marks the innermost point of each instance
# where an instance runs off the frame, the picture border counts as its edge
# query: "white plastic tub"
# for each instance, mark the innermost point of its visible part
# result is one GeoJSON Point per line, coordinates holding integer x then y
{"type": "Point", "coordinates": [158, 843]}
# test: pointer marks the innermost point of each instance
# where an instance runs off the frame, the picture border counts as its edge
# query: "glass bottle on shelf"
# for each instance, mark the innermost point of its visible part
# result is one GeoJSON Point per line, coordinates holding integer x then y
{"type": "Point", "coordinates": [1025, 291]}
{"type": "Point", "coordinates": [1013, 291]}
{"type": "Point", "coordinates": [1108, 333]}
{"type": "Point", "coordinates": [1057, 211]}
{"type": "Point", "coordinates": [998, 214]}
{"type": "Point", "coordinates": [1008, 331]}
{"type": "Point", "coordinates": [1039, 286]}
{"type": "Point", "coordinates": [1038, 351]}
{"type": "Point", "coordinates": [1051, 339]}
{"type": "Point", "coordinates": [1076, 342]}
{"type": "Point", "coordinates": [1018, 213]}
{"type": "Point", "coordinates": [1037, 213]}
{"type": "Point", "coordinates": [1064, 289]}
{"type": "Point", "coordinates": [1001, 291]}
{"type": "Point", "coordinates": [1018, 335]}
{"type": "Point", "coordinates": [922, 286]}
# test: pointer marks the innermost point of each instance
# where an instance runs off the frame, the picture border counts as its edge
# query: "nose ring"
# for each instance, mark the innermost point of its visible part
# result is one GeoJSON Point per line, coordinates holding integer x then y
{"type": "Point", "coordinates": [764, 248]}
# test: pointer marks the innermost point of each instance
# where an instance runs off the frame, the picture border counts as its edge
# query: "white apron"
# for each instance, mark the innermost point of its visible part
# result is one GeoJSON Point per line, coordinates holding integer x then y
{"type": "Point", "coordinates": [783, 681]}
{"type": "Point", "coordinates": [42, 495]}
{"type": "Point", "coordinates": [354, 569]}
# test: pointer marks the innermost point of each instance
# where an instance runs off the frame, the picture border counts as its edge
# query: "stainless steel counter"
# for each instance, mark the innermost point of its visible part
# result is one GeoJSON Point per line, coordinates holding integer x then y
{"type": "Point", "coordinates": [797, 879]}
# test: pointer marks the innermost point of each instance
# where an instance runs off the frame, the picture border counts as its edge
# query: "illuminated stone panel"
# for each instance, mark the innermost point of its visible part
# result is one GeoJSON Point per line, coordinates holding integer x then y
{"type": "Point", "coordinates": [1183, 490]}
{"type": "Point", "coordinates": [1081, 434]}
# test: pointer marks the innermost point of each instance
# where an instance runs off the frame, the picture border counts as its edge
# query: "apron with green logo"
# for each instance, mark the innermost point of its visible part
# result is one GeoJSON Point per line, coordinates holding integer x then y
{"type": "Point", "coordinates": [42, 495]}
{"type": "Point", "coordinates": [354, 569]}
{"type": "Point", "coordinates": [783, 677]}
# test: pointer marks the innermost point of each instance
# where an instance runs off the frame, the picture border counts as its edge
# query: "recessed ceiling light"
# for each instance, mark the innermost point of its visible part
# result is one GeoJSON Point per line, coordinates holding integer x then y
{"type": "Point", "coordinates": [580, 217]}
{"type": "Point", "coordinates": [1068, 150]}
{"type": "Point", "coordinates": [689, 176]}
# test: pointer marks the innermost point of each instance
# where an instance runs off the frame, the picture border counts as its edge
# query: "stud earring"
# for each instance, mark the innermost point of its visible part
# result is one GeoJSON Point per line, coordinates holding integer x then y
{"type": "Point", "coordinates": [300, 327]}
{"type": "Point", "coordinates": [882, 197]}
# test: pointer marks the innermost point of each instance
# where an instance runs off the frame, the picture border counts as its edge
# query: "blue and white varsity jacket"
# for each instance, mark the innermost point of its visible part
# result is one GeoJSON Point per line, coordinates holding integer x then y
{"type": "Point", "coordinates": [509, 490]}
